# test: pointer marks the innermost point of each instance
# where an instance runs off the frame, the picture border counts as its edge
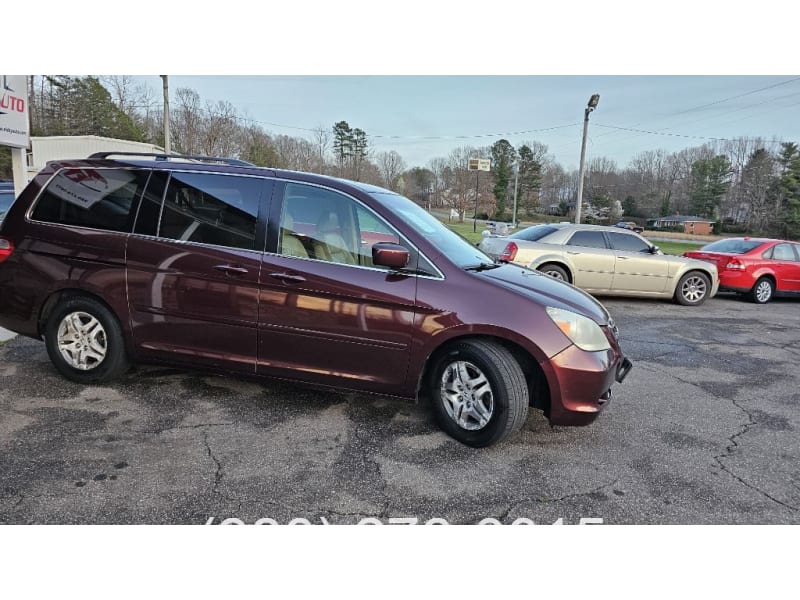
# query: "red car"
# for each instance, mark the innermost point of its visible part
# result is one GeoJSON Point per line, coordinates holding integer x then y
{"type": "Point", "coordinates": [758, 267]}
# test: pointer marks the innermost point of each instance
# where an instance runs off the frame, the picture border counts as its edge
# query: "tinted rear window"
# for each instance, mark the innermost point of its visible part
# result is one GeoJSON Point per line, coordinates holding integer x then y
{"type": "Point", "coordinates": [97, 198]}
{"type": "Point", "coordinates": [732, 246]}
{"type": "Point", "coordinates": [215, 209]}
{"type": "Point", "coordinates": [588, 239]}
{"type": "Point", "coordinates": [532, 234]}
{"type": "Point", "coordinates": [627, 243]}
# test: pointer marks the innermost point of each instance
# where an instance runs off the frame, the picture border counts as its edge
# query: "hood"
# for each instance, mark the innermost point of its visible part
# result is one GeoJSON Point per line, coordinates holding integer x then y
{"type": "Point", "coordinates": [547, 291]}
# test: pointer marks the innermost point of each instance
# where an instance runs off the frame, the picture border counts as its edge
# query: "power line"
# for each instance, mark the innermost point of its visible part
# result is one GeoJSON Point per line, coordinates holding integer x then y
{"type": "Point", "coordinates": [698, 137]}
{"type": "Point", "coordinates": [769, 87]}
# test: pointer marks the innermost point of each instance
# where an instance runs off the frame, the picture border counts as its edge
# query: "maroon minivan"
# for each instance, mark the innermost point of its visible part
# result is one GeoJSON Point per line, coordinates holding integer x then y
{"type": "Point", "coordinates": [218, 264]}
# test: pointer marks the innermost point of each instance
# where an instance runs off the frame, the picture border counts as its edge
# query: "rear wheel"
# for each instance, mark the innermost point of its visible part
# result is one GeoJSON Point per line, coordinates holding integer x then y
{"type": "Point", "coordinates": [762, 291]}
{"type": "Point", "coordinates": [479, 393]}
{"type": "Point", "coordinates": [85, 342]}
{"type": "Point", "coordinates": [555, 272]}
{"type": "Point", "coordinates": [692, 289]}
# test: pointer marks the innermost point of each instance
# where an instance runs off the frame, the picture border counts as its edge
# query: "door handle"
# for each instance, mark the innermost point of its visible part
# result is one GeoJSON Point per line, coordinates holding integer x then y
{"type": "Point", "coordinates": [231, 269]}
{"type": "Point", "coordinates": [288, 278]}
{"type": "Point", "coordinates": [622, 257]}
{"type": "Point", "coordinates": [572, 252]}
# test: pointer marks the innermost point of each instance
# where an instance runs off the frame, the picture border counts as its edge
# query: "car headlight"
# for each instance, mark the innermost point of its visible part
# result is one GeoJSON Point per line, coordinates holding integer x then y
{"type": "Point", "coordinates": [584, 333]}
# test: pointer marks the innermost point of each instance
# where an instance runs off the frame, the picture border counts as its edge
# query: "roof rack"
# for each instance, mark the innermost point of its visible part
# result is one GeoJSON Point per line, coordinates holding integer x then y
{"type": "Point", "coordinates": [162, 156]}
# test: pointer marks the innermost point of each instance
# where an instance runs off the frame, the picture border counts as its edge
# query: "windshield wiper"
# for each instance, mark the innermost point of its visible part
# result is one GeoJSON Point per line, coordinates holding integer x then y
{"type": "Point", "coordinates": [484, 266]}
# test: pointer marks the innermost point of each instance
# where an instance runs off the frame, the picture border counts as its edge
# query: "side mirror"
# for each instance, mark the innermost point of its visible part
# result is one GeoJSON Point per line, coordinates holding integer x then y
{"type": "Point", "coordinates": [387, 254]}
{"type": "Point", "coordinates": [654, 249]}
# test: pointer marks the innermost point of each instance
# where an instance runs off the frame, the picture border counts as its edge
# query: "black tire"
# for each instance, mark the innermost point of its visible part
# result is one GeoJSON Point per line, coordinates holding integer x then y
{"type": "Point", "coordinates": [506, 385]}
{"type": "Point", "coordinates": [115, 361]}
{"type": "Point", "coordinates": [555, 272]}
{"type": "Point", "coordinates": [762, 291]}
{"type": "Point", "coordinates": [693, 289]}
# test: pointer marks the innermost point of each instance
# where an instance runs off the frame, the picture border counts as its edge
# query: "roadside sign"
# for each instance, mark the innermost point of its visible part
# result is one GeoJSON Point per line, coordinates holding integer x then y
{"type": "Point", "coordinates": [479, 164]}
{"type": "Point", "coordinates": [14, 130]}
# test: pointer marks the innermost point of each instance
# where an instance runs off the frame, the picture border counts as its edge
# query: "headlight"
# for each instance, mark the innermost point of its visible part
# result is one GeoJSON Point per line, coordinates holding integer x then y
{"type": "Point", "coordinates": [584, 333]}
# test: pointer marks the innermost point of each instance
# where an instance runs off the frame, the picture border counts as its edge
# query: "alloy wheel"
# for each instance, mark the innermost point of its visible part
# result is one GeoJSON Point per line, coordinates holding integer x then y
{"type": "Point", "coordinates": [467, 395]}
{"type": "Point", "coordinates": [82, 341]}
{"type": "Point", "coordinates": [694, 289]}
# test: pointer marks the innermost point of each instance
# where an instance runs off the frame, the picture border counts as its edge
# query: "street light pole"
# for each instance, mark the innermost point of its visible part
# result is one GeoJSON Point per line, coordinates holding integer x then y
{"type": "Point", "coordinates": [579, 200]}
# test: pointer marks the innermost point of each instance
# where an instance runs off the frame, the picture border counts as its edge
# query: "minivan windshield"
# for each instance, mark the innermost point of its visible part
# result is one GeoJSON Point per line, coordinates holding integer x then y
{"type": "Point", "coordinates": [448, 242]}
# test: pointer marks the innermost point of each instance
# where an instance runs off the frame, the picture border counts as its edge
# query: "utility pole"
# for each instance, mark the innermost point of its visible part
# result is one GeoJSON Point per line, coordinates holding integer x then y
{"type": "Point", "coordinates": [516, 181]}
{"type": "Point", "coordinates": [475, 216]}
{"type": "Point", "coordinates": [579, 200]}
{"type": "Point", "coordinates": [167, 148]}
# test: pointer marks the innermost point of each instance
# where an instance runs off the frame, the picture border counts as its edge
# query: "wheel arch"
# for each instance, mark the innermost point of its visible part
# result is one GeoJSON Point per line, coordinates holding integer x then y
{"type": "Point", "coordinates": [538, 386]}
{"type": "Point", "coordinates": [766, 275]}
{"type": "Point", "coordinates": [692, 269]}
{"type": "Point", "coordinates": [558, 263]}
{"type": "Point", "coordinates": [59, 295]}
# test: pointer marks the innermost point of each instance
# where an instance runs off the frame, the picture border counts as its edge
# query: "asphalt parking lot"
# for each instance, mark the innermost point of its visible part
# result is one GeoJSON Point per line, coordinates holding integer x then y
{"type": "Point", "coordinates": [704, 430]}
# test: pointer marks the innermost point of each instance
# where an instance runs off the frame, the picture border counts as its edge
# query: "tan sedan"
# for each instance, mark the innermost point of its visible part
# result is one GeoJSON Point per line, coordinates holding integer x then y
{"type": "Point", "coordinates": [606, 261]}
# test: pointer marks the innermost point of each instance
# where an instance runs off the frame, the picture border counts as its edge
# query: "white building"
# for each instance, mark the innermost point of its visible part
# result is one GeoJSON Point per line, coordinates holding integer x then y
{"type": "Point", "coordinates": [60, 147]}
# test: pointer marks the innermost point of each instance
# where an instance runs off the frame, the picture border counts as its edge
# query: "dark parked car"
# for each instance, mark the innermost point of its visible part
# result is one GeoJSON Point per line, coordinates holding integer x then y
{"type": "Point", "coordinates": [759, 268]}
{"type": "Point", "coordinates": [6, 200]}
{"type": "Point", "coordinates": [630, 225]}
{"type": "Point", "coordinates": [217, 264]}
{"type": "Point", "coordinates": [6, 197]}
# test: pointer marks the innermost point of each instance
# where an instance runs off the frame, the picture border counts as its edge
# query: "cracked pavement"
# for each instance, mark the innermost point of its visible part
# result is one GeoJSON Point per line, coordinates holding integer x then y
{"type": "Point", "coordinates": [704, 430]}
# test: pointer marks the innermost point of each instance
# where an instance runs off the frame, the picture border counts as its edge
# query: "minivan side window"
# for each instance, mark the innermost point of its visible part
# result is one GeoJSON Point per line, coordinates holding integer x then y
{"type": "Point", "coordinates": [221, 210]}
{"type": "Point", "coordinates": [150, 206]}
{"type": "Point", "coordinates": [98, 198]}
{"type": "Point", "coordinates": [325, 225]}
{"type": "Point", "coordinates": [588, 239]}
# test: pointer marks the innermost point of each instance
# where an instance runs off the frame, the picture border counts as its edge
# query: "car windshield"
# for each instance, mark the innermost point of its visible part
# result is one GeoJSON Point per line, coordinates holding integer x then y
{"type": "Point", "coordinates": [449, 243]}
{"type": "Point", "coordinates": [732, 246]}
{"type": "Point", "coordinates": [531, 234]}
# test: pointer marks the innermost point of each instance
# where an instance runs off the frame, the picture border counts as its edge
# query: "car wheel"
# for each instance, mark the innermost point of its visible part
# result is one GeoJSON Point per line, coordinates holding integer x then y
{"type": "Point", "coordinates": [479, 393]}
{"type": "Point", "coordinates": [692, 289]}
{"type": "Point", "coordinates": [84, 341]}
{"type": "Point", "coordinates": [762, 291]}
{"type": "Point", "coordinates": [555, 272]}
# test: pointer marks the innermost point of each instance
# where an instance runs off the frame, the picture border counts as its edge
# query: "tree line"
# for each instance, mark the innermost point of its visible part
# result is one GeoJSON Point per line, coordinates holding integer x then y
{"type": "Point", "coordinates": [748, 185]}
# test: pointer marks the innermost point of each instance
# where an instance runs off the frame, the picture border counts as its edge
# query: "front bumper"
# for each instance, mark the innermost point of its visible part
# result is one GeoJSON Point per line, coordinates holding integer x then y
{"type": "Point", "coordinates": [580, 383]}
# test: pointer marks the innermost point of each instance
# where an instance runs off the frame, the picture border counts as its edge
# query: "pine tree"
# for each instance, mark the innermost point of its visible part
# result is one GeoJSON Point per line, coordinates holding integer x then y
{"type": "Point", "coordinates": [789, 189]}
{"type": "Point", "coordinates": [503, 157]}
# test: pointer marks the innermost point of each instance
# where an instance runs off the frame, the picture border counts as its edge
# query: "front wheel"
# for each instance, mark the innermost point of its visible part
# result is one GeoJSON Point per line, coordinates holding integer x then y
{"type": "Point", "coordinates": [693, 289]}
{"type": "Point", "coordinates": [479, 393]}
{"type": "Point", "coordinates": [762, 291]}
{"type": "Point", "coordinates": [85, 342]}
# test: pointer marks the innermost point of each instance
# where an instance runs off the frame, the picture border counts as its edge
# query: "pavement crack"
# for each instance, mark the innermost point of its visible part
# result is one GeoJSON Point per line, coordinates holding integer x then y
{"type": "Point", "coordinates": [219, 474]}
{"type": "Point", "coordinates": [175, 427]}
{"type": "Point", "coordinates": [731, 448]}
{"type": "Point", "coordinates": [544, 500]}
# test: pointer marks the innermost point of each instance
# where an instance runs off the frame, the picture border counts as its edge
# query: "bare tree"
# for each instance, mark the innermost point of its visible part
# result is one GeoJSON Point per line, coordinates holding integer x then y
{"type": "Point", "coordinates": [186, 121]}
{"type": "Point", "coordinates": [323, 138]}
{"type": "Point", "coordinates": [391, 165]}
{"type": "Point", "coordinates": [218, 134]}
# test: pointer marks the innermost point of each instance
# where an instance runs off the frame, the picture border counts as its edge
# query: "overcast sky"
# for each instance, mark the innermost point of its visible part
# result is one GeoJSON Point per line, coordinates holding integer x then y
{"type": "Point", "coordinates": [430, 115]}
{"type": "Point", "coordinates": [423, 117]}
